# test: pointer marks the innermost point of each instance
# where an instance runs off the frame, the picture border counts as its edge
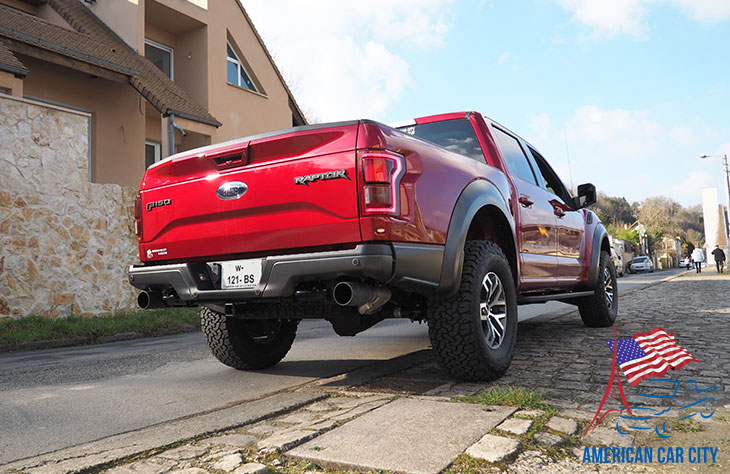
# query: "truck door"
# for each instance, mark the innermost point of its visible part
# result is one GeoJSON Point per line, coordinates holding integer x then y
{"type": "Point", "coordinates": [536, 233]}
{"type": "Point", "coordinates": [570, 224]}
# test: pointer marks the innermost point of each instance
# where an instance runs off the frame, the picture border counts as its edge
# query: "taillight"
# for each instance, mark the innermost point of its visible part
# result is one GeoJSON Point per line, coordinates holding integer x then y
{"type": "Point", "coordinates": [381, 173]}
{"type": "Point", "coordinates": [138, 215]}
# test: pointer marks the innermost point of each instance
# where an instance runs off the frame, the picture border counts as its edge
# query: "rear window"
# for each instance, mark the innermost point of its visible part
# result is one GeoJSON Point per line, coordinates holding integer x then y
{"type": "Point", "coordinates": [639, 259]}
{"type": "Point", "coordinates": [455, 135]}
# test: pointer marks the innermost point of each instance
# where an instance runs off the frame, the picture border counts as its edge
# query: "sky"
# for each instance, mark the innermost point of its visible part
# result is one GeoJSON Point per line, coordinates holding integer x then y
{"type": "Point", "coordinates": [625, 94]}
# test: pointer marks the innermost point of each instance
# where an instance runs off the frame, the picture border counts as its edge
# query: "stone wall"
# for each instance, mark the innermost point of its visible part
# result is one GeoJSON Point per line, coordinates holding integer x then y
{"type": "Point", "coordinates": [65, 243]}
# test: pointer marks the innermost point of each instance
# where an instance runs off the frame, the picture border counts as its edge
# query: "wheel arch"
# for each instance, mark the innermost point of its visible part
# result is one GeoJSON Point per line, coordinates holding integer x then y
{"type": "Point", "coordinates": [480, 213]}
{"type": "Point", "coordinates": [600, 243]}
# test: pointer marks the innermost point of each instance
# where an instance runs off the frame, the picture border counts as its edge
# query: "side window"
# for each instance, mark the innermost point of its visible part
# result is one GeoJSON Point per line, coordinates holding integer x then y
{"type": "Point", "coordinates": [236, 73]}
{"type": "Point", "coordinates": [551, 179]}
{"type": "Point", "coordinates": [454, 135]}
{"type": "Point", "coordinates": [515, 157]}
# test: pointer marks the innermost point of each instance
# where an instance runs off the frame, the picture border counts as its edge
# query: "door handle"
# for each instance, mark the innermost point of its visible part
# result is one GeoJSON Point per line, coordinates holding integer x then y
{"type": "Point", "coordinates": [558, 208]}
{"type": "Point", "coordinates": [525, 201]}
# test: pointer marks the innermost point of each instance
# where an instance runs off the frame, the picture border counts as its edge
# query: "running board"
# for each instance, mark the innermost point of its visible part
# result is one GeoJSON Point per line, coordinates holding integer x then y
{"type": "Point", "coordinates": [521, 299]}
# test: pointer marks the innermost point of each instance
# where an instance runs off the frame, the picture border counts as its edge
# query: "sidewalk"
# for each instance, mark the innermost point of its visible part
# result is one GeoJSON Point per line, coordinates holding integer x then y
{"type": "Point", "coordinates": [412, 420]}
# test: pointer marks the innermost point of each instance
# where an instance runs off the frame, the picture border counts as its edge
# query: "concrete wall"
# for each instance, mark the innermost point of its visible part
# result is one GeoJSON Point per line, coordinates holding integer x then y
{"type": "Point", "coordinates": [64, 242]}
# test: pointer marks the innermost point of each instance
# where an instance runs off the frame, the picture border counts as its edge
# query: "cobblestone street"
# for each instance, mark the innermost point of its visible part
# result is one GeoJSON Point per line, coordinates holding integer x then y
{"type": "Point", "coordinates": [570, 363]}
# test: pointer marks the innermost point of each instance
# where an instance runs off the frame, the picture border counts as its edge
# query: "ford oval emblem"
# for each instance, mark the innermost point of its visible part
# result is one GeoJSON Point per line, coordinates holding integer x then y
{"type": "Point", "coordinates": [232, 190]}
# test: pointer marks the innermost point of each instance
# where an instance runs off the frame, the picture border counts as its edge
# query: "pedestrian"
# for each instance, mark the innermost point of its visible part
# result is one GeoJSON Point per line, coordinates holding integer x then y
{"type": "Point", "coordinates": [719, 258]}
{"type": "Point", "coordinates": [698, 256]}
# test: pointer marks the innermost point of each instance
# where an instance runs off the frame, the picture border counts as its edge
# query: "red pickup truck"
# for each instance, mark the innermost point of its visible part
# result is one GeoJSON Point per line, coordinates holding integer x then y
{"type": "Point", "coordinates": [452, 219]}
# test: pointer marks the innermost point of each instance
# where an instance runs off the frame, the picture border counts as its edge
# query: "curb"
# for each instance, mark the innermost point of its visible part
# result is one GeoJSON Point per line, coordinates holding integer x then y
{"type": "Point", "coordinates": [85, 341]}
{"type": "Point", "coordinates": [39, 345]}
{"type": "Point", "coordinates": [99, 454]}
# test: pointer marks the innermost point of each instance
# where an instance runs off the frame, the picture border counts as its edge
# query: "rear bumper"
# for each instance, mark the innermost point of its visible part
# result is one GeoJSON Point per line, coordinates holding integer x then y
{"type": "Point", "coordinates": [640, 268]}
{"type": "Point", "coordinates": [409, 266]}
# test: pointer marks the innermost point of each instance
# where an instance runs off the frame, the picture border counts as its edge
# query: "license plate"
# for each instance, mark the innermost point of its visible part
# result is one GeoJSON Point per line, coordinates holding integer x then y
{"type": "Point", "coordinates": [238, 274]}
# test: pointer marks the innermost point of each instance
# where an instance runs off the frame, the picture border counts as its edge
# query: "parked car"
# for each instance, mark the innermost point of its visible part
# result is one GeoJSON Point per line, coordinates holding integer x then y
{"type": "Point", "coordinates": [641, 264]}
{"type": "Point", "coordinates": [450, 219]}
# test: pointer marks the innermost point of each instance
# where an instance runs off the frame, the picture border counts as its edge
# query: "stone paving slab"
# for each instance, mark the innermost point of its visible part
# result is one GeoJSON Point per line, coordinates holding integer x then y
{"type": "Point", "coordinates": [515, 426]}
{"type": "Point", "coordinates": [530, 413]}
{"type": "Point", "coordinates": [286, 440]}
{"type": "Point", "coordinates": [563, 425]}
{"type": "Point", "coordinates": [548, 440]}
{"type": "Point", "coordinates": [607, 437]}
{"type": "Point", "coordinates": [494, 448]}
{"type": "Point", "coordinates": [156, 466]}
{"type": "Point", "coordinates": [406, 435]}
{"type": "Point", "coordinates": [252, 468]}
{"type": "Point", "coordinates": [234, 439]}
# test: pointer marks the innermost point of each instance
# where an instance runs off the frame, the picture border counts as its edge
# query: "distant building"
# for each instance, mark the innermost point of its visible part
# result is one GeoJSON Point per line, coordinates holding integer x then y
{"type": "Point", "coordinates": [643, 238]}
{"type": "Point", "coordinates": [669, 253]}
{"type": "Point", "coordinates": [716, 221]}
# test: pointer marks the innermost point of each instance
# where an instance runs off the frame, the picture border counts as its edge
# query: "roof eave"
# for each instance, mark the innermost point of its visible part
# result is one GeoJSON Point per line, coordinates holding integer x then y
{"type": "Point", "coordinates": [204, 120]}
{"type": "Point", "coordinates": [16, 71]}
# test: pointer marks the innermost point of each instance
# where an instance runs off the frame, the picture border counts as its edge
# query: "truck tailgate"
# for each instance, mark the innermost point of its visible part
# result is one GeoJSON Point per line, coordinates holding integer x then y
{"type": "Point", "coordinates": [287, 191]}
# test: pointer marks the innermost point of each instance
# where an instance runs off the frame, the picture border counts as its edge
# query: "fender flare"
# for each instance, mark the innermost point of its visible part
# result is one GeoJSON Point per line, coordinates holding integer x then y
{"type": "Point", "coordinates": [599, 235]}
{"type": "Point", "coordinates": [477, 195]}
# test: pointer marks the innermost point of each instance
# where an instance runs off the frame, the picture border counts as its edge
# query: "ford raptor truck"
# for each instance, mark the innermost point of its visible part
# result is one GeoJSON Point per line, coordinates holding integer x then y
{"type": "Point", "coordinates": [450, 219]}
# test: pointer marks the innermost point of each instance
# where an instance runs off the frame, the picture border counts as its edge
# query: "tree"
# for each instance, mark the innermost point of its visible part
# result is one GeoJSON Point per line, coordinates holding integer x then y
{"type": "Point", "coordinates": [663, 217]}
{"type": "Point", "coordinates": [690, 218]}
{"type": "Point", "coordinates": [623, 234]}
{"type": "Point", "coordinates": [614, 210]}
{"type": "Point", "coordinates": [660, 215]}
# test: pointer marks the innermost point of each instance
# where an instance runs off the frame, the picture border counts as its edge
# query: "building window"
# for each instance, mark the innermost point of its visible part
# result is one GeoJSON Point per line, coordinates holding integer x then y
{"type": "Point", "coordinates": [152, 152]}
{"type": "Point", "coordinates": [236, 73]}
{"type": "Point", "coordinates": [160, 55]}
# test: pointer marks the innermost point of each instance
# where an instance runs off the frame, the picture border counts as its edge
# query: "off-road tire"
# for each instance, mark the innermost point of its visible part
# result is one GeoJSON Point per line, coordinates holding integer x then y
{"type": "Point", "coordinates": [238, 344]}
{"type": "Point", "coordinates": [456, 328]}
{"type": "Point", "coordinates": [600, 310]}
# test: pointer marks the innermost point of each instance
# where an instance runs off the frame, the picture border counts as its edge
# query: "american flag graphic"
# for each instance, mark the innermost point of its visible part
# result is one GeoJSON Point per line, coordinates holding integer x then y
{"type": "Point", "coordinates": [649, 354]}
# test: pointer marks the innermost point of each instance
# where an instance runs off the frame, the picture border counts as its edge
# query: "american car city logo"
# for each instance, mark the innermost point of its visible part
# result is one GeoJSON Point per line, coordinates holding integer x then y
{"type": "Point", "coordinates": [648, 356]}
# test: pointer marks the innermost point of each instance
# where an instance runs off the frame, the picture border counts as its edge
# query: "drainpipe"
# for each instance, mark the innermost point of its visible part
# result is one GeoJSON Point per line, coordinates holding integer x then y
{"type": "Point", "coordinates": [171, 126]}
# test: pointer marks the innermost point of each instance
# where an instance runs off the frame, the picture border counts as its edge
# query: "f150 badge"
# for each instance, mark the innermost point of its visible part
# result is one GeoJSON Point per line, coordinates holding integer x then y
{"type": "Point", "coordinates": [327, 175]}
{"type": "Point", "coordinates": [160, 203]}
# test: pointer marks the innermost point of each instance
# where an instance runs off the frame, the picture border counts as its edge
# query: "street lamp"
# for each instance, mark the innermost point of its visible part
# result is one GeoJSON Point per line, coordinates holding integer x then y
{"type": "Point", "coordinates": [727, 184]}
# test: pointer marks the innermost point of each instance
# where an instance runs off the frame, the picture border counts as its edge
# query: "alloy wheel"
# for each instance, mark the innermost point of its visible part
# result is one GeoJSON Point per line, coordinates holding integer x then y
{"type": "Point", "coordinates": [493, 310]}
{"type": "Point", "coordinates": [608, 287]}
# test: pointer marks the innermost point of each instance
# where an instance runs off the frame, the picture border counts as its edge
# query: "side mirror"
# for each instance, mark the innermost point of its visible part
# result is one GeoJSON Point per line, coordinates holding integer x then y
{"type": "Point", "coordinates": [586, 195]}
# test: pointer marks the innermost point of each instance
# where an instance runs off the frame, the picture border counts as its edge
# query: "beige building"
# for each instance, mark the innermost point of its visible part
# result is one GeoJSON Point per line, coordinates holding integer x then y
{"type": "Point", "coordinates": [154, 76]}
{"type": "Point", "coordinates": [92, 92]}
